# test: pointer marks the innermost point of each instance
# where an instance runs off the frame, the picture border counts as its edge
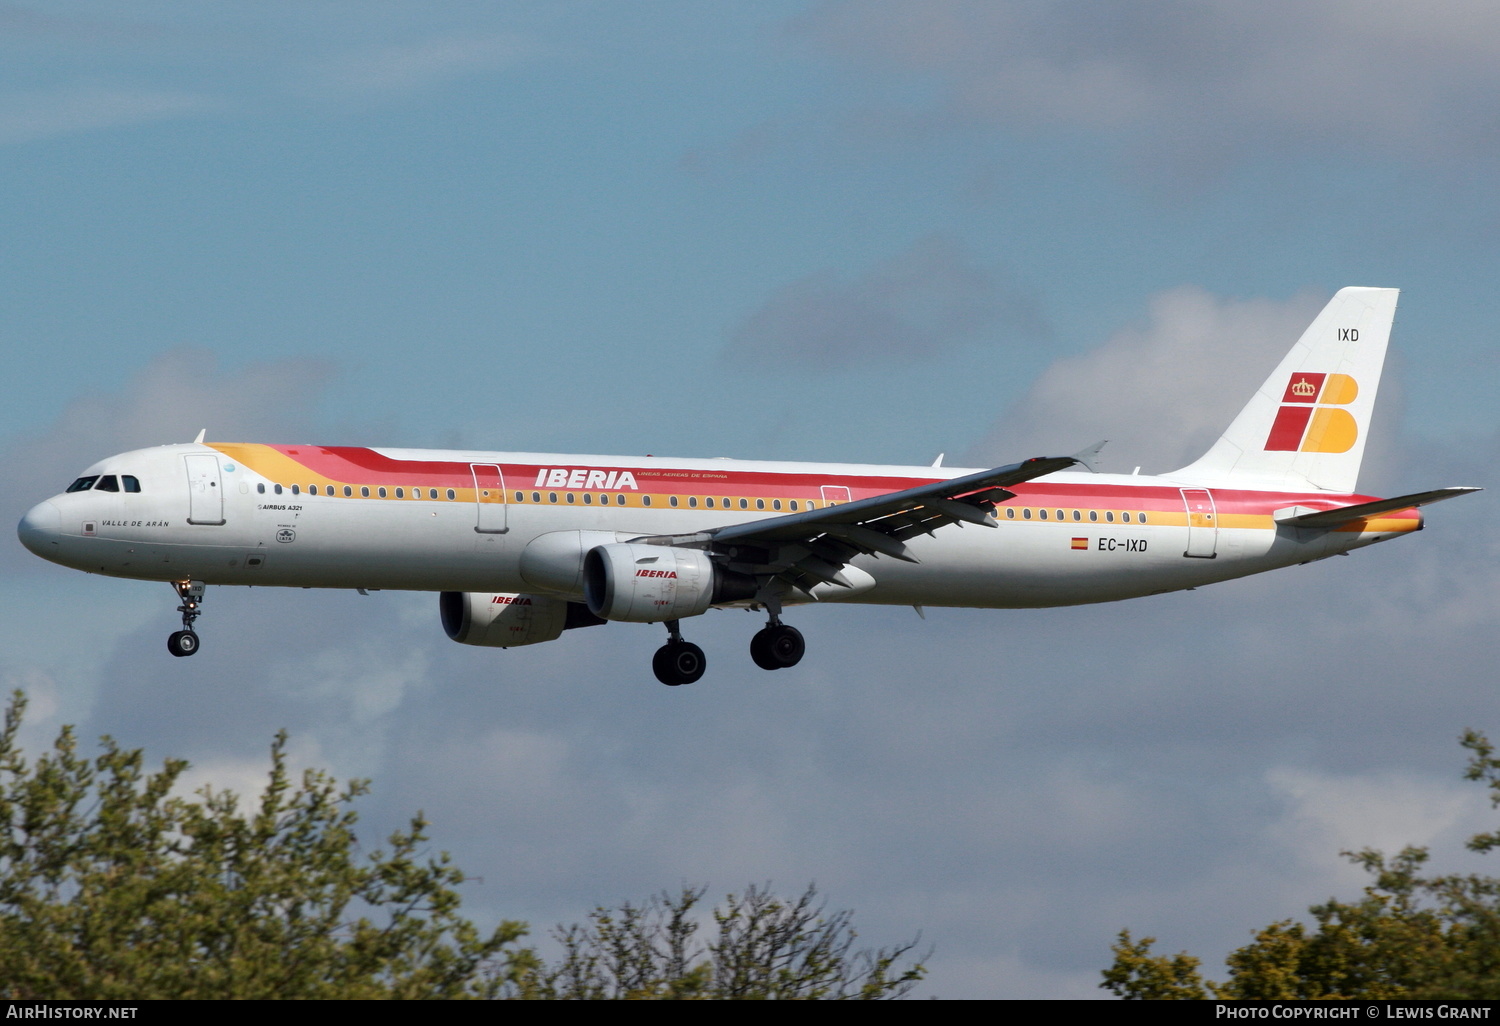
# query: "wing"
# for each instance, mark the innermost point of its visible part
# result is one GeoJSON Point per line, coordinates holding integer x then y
{"type": "Point", "coordinates": [804, 550]}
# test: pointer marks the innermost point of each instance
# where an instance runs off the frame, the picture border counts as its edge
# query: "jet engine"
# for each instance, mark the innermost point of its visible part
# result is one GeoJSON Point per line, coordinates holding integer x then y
{"type": "Point", "coordinates": [506, 620]}
{"type": "Point", "coordinates": [652, 583]}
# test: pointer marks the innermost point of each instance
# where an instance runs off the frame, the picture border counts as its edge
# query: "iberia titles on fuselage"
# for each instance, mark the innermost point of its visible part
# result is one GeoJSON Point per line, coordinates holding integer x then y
{"type": "Point", "coordinates": [525, 546]}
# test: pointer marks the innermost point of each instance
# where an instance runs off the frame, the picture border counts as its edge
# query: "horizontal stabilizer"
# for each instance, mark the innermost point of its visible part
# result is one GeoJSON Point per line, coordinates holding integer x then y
{"type": "Point", "coordinates": [1349, 514]}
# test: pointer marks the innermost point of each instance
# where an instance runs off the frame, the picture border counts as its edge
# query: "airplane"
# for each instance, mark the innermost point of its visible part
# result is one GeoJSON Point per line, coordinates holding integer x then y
{"type": "Point", "coordinates": [522, 547]}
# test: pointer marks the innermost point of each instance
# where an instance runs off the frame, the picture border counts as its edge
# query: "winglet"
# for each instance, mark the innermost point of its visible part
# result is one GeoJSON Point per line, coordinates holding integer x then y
{"type": "Point", "coordinates": [1090, 456]}
{"type": "Point", "coordinates": [199, 439]}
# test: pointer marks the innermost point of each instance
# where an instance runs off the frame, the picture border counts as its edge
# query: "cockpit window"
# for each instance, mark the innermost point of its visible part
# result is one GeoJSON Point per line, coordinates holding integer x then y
{"type": "Point", "coordinates": [83, 484]}
{"type": "Point", "coordinates": [131, 484]}
{"type": "Point", "coordinates": [108, 483]}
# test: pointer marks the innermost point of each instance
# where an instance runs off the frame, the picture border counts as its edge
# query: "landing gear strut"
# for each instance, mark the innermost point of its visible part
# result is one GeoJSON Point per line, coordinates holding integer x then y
{"type": "Point", "coordinates": [678, 662]}
{"type": "Point", "coordinates": [185, 641]}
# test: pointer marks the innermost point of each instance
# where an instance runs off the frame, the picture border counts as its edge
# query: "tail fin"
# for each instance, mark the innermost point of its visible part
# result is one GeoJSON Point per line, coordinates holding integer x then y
{"type": "Point", "coordinates": [1306, 426]}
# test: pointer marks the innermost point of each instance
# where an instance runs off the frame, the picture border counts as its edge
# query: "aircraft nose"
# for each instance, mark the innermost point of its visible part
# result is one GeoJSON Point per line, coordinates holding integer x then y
{"type": "Point", "coordinates": [40, 529]}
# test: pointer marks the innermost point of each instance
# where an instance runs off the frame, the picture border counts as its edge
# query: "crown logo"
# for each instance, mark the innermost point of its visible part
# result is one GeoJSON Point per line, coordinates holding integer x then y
{"type": "Point", "coordinates": [1304, 388]}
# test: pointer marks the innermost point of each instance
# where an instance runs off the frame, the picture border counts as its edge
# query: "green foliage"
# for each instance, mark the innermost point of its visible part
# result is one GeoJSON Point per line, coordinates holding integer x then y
{"type": "Point", "coordinates": [1410, 936]}
{"type": "Point", "coordinates": [763, 948]}
{"type": "Point", "coordinates": [112, 887]}
{"type": "Point", "coordinates": [1139, 975]}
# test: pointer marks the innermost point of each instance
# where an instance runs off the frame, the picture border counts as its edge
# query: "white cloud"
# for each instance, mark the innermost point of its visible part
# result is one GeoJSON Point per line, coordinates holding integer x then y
{"type": "Point", "coordinates": [1162, 392]}
{"type": "Point", "coordinates": [25, 117]}
{"type": "Point", "coordinates": [1197, 80]}
{"type": "Point", "coordinates": [414, 65]}
{"type": "Point", "coordinates": [1328, 813]}
{"type": "Point", "coordinates": [925, 301]}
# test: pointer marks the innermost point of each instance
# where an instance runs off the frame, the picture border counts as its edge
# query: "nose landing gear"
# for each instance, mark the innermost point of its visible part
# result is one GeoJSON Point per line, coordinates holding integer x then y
{"type": "Point", "coordinates": [678, 661]}
{"type": "Point", "coordinates": [185, 641]}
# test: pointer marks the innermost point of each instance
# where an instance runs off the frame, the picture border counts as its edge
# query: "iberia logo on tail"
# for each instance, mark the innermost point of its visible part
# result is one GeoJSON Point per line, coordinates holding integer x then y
{"type": "Point", "coordinates": [1311, 418]}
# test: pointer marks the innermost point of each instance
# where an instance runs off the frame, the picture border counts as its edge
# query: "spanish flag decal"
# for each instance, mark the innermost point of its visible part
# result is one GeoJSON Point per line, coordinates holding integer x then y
{"type": "Point", "coordinates": [1080, 543]}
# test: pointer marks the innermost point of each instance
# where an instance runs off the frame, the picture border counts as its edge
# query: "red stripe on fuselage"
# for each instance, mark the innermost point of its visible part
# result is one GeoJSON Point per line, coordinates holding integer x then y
{"type": "Point", "coordinates": [355, 465]}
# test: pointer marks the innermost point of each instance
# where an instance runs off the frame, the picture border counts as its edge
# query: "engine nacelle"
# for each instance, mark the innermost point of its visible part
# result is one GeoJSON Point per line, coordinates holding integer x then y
{"type": "Point", "coordinates": [652, 583]}
{"type": "Point", "coordinates": [508, 620]}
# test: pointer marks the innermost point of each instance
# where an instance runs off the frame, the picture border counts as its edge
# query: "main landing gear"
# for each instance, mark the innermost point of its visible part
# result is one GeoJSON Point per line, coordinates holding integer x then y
{"type": "Point", "coordinates": [776, 646]}
{"type": "Point", "coordinates": [678, 661]}
{"type": "Point", "coordinates": [185, 641]}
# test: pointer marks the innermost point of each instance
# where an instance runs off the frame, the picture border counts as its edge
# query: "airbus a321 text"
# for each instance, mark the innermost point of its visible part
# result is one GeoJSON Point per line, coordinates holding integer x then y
{"type": "Point", "coordinates": [522, 546]}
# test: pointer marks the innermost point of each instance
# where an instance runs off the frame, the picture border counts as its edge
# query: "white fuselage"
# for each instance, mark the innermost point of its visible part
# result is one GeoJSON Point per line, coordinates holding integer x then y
{"type": "Point", "coordinates": [280, 516]}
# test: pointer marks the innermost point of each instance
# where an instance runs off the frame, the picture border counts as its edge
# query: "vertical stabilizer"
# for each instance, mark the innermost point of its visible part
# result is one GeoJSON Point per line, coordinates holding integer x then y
{"type": "Point", "coordinates": [1306, 427]}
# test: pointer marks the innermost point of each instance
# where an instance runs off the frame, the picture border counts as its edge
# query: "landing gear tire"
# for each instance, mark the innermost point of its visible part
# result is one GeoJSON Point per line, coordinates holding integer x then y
{"type": "Point", "coordinates": [182, 643]}
{"type": "Point", "coordinates": [678, 662]}
{"type": "Point", "coordinates": [777, 647]}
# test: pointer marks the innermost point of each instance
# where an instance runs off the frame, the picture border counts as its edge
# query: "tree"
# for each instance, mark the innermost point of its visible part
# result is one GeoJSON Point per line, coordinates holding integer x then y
{"type": "Point", "coordinates": [763, 947]}
{"type": "Point", "coordinates": [1410, 936]}
{"type": "Point", "coordinates": [113, 887]}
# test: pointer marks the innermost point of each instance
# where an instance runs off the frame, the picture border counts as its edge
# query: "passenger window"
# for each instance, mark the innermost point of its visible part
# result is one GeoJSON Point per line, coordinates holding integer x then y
{"type": "Point", "coordinates": [432, 493]}
{"type": "Point", "coordinates": [572, 497]}
{"type": "Point", "coordinates": [261, 488]}
{"type": "Point", "coordinates": [83, 484]}
{"type": "Point", "coordinates": [645, 500]}
{"type": "Point", "coordinates": [1060, 515]}
{"type": "Point", "coordinates": [1093, 514]}
{"type": "Point", "coordinates": [693, 502]}
{"type": "Point", "coordinates": [1042, 513]}
{"type": "Point", "coordinates": [1026, 513]}
{"type": "Point", "coordinates": [278, 489]}
{"type": "Point", "coordinates": [1077, 515]}
{"type": "Point", "coordinates": [400, 493]}
{"type": "Point", "coordinates": [296, 490]}
{"type": "Point", "coordinates": [588, 498]}
{"type": "Point", "coordinates": [744, 504]}
{"type": "Point", "coordinates": [760, 503]}
{"type": "Point", "coordinates": [1010, 513]}
{"type": "Point", "coordinates": [551, 496]}
{"type": "Point", "coordinates": [1110, 516]}
{"type": "Point", "coordinates": [793, 504]}
{"type": "Point", "coordinates": [450, 493]}
{"type": "Point", "coordinates": [673, 500]}
{"type": "Point", "coordinates": [710, 502]}
{"type": "Point", "coordinates": [108, 483]}
{"type": "Point", "coordinates": [775, 503]}
{"type": "Point", "coordinates": [364, 492]}
{"type": "Point", "coordinates": [620, 499]}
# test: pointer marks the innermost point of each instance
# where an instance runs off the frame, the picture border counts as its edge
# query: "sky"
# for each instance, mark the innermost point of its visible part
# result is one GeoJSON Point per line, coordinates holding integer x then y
{"type": "Point", "coordinates": [868, 231]}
